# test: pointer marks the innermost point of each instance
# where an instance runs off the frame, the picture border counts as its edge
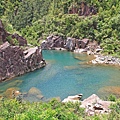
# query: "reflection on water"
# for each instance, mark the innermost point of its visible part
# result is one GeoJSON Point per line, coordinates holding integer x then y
{"type": "Point", "coordinates": [66, 74]}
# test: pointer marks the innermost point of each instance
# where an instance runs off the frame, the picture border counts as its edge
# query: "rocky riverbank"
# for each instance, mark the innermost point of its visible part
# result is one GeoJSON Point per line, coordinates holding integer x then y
{"type": "Point", "coordinates": [15, 61]}
{"type": "Point", "coordinates": [93, 105]}
{"type": "Point", "coordinates": [53, 42]}
{"type": "Point", "coordinates": [100, 59]}
{"type": "Point", "coordinates": [70, 44]}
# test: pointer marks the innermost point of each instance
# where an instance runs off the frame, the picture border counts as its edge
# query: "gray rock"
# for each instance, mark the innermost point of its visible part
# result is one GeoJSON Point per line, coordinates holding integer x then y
{"type": "Point", "coordinates": [94, 105]}
{"type": "Point", "coordinates": [52, 42]}
{"type": "Point", "coordinates": [84, 43]}
{"type": "Point", "coordinates": [75, 98]}
{"type": "Point", "coordinates": [33, 94]}
{"type": "Point", "coordinates": [70, 44]}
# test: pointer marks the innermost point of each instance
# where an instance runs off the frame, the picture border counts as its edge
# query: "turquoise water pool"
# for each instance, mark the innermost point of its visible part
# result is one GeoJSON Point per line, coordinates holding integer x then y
{"type": "Point", "coordinates": [66, 74]}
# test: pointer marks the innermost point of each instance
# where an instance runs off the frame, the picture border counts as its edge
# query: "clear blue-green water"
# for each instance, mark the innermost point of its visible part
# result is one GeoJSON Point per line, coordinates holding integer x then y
{"type": "Point", "coordinates": [66, 74]}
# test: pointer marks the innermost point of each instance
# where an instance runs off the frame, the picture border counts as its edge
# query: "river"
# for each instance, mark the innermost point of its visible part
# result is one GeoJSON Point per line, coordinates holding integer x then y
{"type": "Point", "coordinates": [67, 73]}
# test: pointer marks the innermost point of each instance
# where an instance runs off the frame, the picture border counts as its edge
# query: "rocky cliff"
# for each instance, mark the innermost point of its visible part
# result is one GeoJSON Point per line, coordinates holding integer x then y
{"type": "Point", "coordinates": [15, 61]}
{"type": "Point", "coordinates": [70, 44]}
{"type": "Point", "coordinates": [82, 9]}
{"type": "Point", "coordinates": [5, 36]}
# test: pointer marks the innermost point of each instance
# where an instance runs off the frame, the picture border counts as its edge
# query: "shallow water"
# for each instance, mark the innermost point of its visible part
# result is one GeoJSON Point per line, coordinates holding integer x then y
{"type": "Point", "coordinates": [66, 74]}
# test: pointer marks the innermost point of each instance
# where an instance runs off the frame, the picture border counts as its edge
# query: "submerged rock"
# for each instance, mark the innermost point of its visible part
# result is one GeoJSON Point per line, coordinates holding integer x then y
{"type": "Point", "coordinates": [33, 94]}
{"type": "Point", "coordinates": [9, 93]}
{"type": "Point", "coordinates": [110, 89]}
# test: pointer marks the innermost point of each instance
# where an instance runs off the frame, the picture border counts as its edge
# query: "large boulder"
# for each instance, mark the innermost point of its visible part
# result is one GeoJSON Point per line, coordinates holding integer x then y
{"type": "Point", "coordinates": [75, 98]}
{"type": "Point", "coordinates": [70, 44]}
{"type": "Point", "coordinates": [94, 105]}
{"type": "Point", "coordinates": [84, 42]}
{"type": "Point", "coordinates": [15, 61]}
{"type": "Point", "coordinates": [33, 94]}
{"type": "Point", "coordinates": [53, 42]}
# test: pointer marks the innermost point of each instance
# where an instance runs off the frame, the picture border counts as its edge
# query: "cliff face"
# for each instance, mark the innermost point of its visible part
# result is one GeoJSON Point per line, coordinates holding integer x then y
{"type": "Point", "coordinates": [71, 44]}
{"type": "Point", "coordinates": [4, 37]}
{"type": "Point", "coordinates": [14, 61]}
{"type": "Point", "coordinates": [82, 9]}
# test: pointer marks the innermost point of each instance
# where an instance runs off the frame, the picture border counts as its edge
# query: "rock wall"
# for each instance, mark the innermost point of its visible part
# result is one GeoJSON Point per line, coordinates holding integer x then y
{"type": "Point", "coordinates": [4, 37]}
{"type": "Point", "coordinates": [53, 42]}
{"type": "Point", "coordinates": [82, 9]}
{"type": "Point", "coordinates": [15, 61]}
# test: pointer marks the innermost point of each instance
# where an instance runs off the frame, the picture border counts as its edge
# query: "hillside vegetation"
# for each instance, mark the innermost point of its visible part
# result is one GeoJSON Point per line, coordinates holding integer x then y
{"type": "Point", "coordinates": [36, 19]}
{"type": "Point", "coordinates": [52, 110]}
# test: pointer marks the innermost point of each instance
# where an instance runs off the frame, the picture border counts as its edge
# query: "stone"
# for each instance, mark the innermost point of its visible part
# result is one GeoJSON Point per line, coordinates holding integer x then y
{"type": "Point", "coordinates": [70, 44]}
{"type": "Point", "coordinates": [53, 42]}
{"type": "Point", "coordinates": [94, 105]}
{"type": "Point", "coordinates": [75, 98]}
{"type": "Point", "coordinates": [84, 43]}
{"type": "Point", "coordinates": [34, 91]}
{"type": "Point", "coordinates": [58, 42]}
{"type": "Point", "coordinates": [90, 100]}
{"type": "Point", "coordinates": [15, 61]}
{"type": "Point", "coordinates": [106, 60]}
{"type": "Point", "coordinates": [3, 33]}
{"type": "Point", "coordinates": [98, 50]}
{"type": "Point", "coordinates": [33, 94]}
{"type": "Point", "coordinates": [9, 93]}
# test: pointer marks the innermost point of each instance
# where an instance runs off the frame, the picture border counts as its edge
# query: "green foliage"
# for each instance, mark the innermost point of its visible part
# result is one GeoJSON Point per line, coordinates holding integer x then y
{"type": "Point", "coordinates": [53, 110]}
{"type": "Point", "coordinates": [112, 98]}
{"type": "Point", "coordinates": [36, 19]}
{"type": "Point", "coordinates": [9, 38]}
{"type": "Point", "coordinates": [2, 7]}
{"type": "Point", "coordinates": [115, 114]}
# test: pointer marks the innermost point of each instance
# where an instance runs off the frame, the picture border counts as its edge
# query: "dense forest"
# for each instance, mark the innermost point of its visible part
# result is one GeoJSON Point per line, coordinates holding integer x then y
{"type": "Point", "coordinates": [36, 19]}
